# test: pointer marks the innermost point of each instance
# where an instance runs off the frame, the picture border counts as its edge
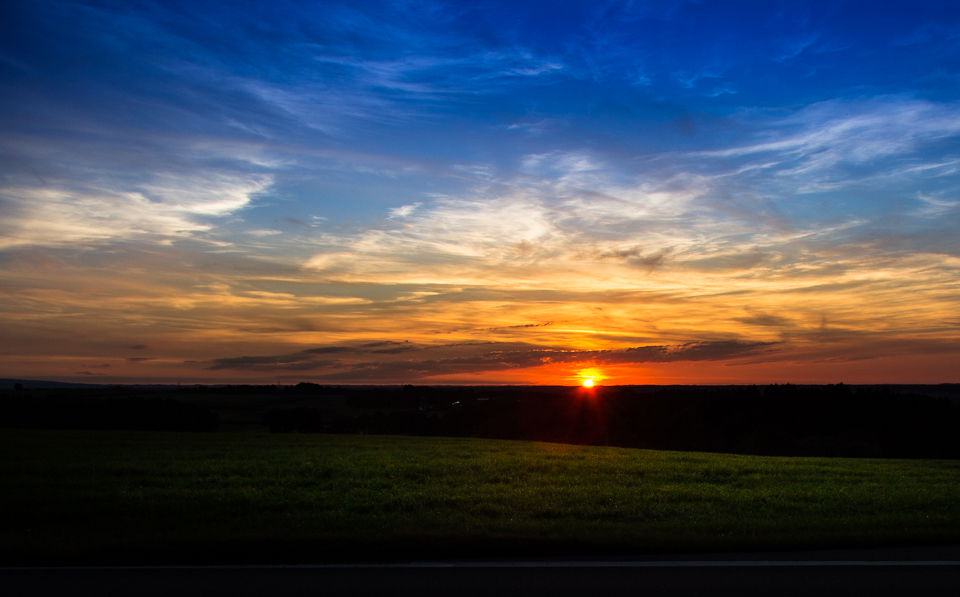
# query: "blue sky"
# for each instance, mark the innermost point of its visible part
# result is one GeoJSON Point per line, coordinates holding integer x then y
{"type": "Point", "coordinates": [764, 191]}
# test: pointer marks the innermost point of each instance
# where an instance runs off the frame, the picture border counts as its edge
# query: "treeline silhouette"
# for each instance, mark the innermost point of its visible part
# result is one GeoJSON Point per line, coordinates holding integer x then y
{"type": "Point", "coordinates": [779, 420]}
{"type": "Point", "coordinates": [111, 413]}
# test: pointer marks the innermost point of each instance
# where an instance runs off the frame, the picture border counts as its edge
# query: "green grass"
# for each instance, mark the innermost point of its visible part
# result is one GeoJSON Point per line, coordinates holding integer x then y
{"type": "Point", "coordinates": [118, 497]}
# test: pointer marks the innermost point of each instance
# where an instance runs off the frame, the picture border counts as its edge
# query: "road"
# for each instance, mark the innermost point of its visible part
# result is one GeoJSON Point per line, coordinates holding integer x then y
{"type": "Point", "coordinates": [935, 571]}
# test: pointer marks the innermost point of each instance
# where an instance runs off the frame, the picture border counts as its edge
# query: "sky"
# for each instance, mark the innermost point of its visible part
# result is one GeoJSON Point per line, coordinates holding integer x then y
{"type": "Point", "coordinates": [480, 193]}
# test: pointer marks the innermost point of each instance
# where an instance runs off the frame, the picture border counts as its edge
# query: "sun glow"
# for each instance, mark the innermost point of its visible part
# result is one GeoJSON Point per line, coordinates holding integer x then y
{"type": "Point", "coordinates": [588, 383]}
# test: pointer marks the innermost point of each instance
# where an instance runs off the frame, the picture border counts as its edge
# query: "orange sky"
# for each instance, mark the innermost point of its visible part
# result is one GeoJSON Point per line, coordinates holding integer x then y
{"type": "Point", "coordinates": [161, 314]}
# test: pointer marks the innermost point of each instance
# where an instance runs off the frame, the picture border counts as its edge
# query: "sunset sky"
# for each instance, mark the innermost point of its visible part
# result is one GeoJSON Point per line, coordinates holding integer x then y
{"type": "Point", "coordinates": [483, 192]}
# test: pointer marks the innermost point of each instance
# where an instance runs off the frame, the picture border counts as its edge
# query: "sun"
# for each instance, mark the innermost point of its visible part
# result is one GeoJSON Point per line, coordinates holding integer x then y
{"type": "Point", "coordinates": [588, 383]}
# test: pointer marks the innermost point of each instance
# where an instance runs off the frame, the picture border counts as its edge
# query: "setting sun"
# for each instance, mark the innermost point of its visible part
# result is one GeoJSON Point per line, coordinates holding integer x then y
{"type": "Point", "coordinates": [588, 383]}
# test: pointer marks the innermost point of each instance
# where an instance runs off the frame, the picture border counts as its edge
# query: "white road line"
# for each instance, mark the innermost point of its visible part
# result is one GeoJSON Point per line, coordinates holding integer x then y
{"type": "Point", "coordinates": [588, 564]}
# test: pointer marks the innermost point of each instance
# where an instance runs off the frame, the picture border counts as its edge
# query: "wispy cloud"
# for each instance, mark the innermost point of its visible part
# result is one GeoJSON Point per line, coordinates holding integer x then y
{"type": "Point", "coordinates": [484, 358]}
{"type": "Point", "coordinates": [815, 142]}
{"type": "Point", "coordinates": [164, 208]}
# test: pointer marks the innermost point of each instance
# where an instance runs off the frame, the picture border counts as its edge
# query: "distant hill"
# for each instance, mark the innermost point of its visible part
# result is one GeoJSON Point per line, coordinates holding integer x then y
{"type": "Point", "coordinates": [890, 421]}
{"type": "Point", "coordinates": [36, 384]}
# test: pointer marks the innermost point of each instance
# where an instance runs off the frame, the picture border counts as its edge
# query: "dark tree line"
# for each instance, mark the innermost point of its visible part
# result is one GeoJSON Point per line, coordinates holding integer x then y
{"type": "Point", "coordinates": [123, 413]}
{"type": "Point", "coordinates": [299, 419]}
{"type": "Point", "coordinates": [783, 420]}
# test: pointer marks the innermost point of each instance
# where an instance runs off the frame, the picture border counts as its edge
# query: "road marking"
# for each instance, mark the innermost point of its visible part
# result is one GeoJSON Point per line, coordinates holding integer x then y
{"type": "Point", "coordinates": [587, 564]}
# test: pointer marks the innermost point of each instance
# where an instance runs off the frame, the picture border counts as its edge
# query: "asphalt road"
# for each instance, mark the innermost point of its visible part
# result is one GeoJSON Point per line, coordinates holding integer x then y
{"type": "Point", "coordinates": [934, 572]}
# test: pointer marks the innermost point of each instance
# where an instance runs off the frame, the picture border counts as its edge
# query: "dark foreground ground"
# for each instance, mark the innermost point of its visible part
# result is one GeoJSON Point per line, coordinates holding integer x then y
{"type": "Point", "coordinates": [911, 571]}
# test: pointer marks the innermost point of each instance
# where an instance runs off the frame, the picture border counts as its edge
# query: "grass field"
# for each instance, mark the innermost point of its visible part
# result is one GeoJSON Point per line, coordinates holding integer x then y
{"type": "Point", "coordinates": [119, 497]}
